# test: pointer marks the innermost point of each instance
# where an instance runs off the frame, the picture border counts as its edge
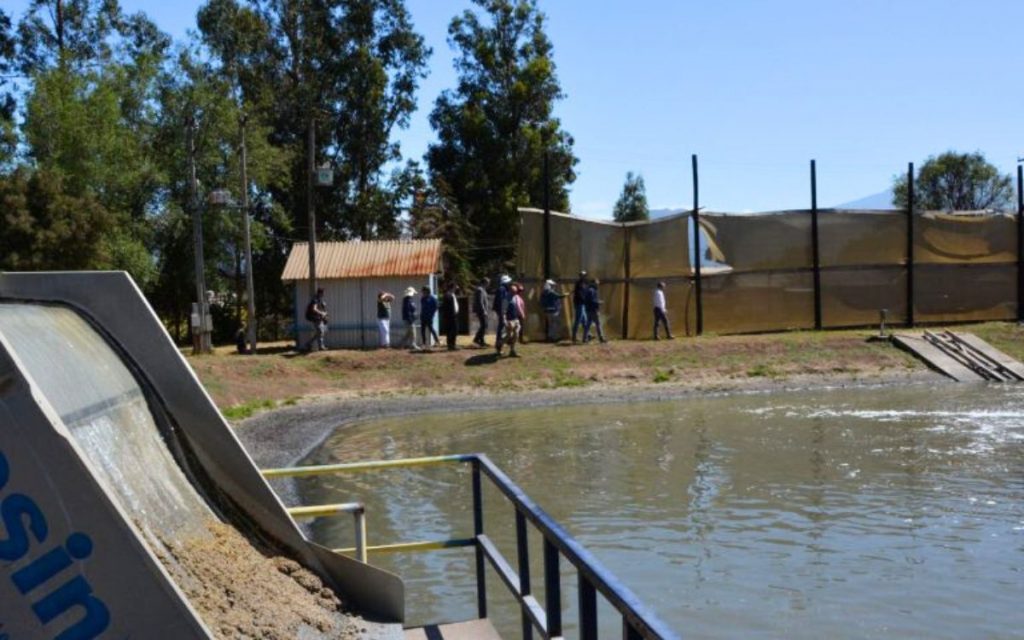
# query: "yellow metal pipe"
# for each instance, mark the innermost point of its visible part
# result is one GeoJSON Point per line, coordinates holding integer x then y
{"type": "Point", "coordinates": [348, 467]}
{"type": "Point", "coordinates": [326, 510]}
{"type": "Point", "coordinates": [430, 545]}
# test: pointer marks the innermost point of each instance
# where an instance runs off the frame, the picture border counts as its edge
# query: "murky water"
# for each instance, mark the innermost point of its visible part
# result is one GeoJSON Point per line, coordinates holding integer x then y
{"type": "Point", "coordinates": [848, 513]}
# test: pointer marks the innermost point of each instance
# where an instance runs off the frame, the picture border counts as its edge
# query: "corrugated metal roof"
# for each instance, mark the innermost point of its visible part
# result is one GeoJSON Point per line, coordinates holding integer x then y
{"type": "Point", "coordinates": [370, 259]}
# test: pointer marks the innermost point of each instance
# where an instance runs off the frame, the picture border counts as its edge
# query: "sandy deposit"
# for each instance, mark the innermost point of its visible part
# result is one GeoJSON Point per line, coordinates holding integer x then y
{"type": "Point", "coordinates": [241, 593]}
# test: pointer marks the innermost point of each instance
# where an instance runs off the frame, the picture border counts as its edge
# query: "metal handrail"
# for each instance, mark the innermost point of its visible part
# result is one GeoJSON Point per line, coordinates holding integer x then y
{"type": "Point", "coordinates": [357, 509]}
{"type": "Point", "coordinates": [637, 620]}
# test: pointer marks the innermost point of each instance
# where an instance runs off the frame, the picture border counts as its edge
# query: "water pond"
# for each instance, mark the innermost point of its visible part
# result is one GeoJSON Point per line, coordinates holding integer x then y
{"type": "Point", "coordinates": [876, 512]}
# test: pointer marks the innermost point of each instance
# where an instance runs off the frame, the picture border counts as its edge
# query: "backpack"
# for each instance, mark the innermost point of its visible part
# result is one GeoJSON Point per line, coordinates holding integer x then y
{"type": "Point", "coordinates": [311, 312]}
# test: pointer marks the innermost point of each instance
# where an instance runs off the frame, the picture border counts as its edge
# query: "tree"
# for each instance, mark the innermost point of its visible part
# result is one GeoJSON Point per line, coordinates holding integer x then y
{"type": "Point", "coordinates": [353, 67]}
{"type": "Point", "coordinates": [632, 203]}
{"type": "Point", "coordinates": [495, 127]}
{"type": "Point", "coordinates": [8, 133]}
{"type": "Point", "coordinates": [956, 182]}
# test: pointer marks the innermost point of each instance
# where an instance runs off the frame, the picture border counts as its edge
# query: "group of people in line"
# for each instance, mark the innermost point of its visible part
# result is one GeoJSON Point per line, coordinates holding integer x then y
{"type": "Point", "coordinates": [507, 304]}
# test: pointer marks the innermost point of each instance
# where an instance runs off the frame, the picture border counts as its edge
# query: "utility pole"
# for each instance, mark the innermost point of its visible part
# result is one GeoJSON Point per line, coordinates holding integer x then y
{"type": "Point", "coordinates": [202, 345]}
{"type": "Point", "coordinates": [250, 328]}
{"type": "Point", "coordinates": [310, 204]}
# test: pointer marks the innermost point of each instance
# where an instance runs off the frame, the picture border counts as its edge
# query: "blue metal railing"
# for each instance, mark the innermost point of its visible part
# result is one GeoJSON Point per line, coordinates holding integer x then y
{"type": "Point", "coordinates": [637, 620]}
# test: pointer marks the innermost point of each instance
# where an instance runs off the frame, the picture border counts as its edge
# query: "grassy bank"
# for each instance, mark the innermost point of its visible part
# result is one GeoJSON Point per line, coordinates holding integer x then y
{"type": "Point", "coordinates": [244, 384]}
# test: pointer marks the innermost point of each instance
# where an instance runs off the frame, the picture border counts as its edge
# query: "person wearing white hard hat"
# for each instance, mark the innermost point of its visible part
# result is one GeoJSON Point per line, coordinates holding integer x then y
{"type": "Point", "coordinates": [409, 316]}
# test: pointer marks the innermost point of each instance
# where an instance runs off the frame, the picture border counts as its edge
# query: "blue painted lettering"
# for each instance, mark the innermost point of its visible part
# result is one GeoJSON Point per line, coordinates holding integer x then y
{"type": "Point", "coordinates": [24, 522]}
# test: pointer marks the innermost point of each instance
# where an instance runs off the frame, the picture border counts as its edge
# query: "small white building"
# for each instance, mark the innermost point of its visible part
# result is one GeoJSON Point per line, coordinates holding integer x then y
{"type": "Point", "coordinates": [351, 274]}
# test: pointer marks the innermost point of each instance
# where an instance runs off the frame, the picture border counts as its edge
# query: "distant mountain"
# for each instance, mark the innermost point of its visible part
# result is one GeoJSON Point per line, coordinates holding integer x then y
{"type": "Point", "coordinates": [881, 200]}
{"type": "Point", "coordinates": [664, 213]}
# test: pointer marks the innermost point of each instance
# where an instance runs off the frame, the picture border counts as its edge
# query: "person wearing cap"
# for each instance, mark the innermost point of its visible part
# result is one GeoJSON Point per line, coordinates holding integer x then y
{"type": "Point", "coordinates": [481, 308]}
{"type": "Point", "coordinates": [428, 309]}
{"type": "Point", "coordinates": [501, 298]}
{"type": "Point", "coordinates": [316, 314]}
{"type": "Point", "coordinates": [409, 318]}
{"type": "Point", "coordinates": [660, 312]}
{"type": "Point", "coordinates": [551, 302]}
{"type": "Point", "coordinates": [384, 300]}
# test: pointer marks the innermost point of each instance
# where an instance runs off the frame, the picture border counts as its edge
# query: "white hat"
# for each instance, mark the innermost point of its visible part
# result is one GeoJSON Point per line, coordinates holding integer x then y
{"type": "Point", "coordinates": [410, 291]}
{"type": "Point", "coordinates": [550, 283]}
{"type": "Point", "coordinates": [505, 279]}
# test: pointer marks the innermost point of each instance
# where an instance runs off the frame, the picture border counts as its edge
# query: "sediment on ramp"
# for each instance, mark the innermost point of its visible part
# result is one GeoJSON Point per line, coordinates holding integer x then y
{"type": "Point", "coordinates": [239, 589]}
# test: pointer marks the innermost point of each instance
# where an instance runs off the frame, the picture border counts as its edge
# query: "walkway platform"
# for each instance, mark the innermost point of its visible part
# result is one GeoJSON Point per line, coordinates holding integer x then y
{"type": "Point", "coordinates": [963, 357]}
{"type": "Point", "coordinates": [469, 630]}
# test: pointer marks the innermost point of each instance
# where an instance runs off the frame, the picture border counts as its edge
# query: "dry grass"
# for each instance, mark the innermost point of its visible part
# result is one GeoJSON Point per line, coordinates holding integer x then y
{"type": "Point", "coordinates": [244, 384]}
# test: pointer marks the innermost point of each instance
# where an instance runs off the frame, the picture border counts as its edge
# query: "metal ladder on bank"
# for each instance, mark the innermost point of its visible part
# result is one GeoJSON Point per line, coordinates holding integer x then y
{"type": "Point", "coordinates": [972, 356]}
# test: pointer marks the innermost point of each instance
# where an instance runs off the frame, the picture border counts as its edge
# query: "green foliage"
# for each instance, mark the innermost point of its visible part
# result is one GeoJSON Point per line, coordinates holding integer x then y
{"type": "Point", "coordinates": [955, 181]}
{"type": "Point", "coordinates": [495, 127]}
{"type": "Point", "coordinates": [8, 132]}
{"type": "Point", "coordinates": [632, 203]}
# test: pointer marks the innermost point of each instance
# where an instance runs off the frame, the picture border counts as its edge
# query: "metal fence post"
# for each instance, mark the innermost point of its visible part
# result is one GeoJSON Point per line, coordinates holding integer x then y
{"type": "Point", "coordinates": [910, 244]}
{"type": "Point", "coordinates": [552, 589]}
{"type": "Point", "coordinates": [588, 609]}
{"type": "Point", "coordinates": [628, 234]}
{"type": "Point", "coordinates": [815, 253]}
{"type": "Point", "coordinates": [523, 557]}
{"type": "Point", "coordinates": [478, 530]}
{"type": "Point", "coordinates": [547, 218]}
{"type": "Point", "coordinates": [695, 216]}
{"type": "Point", "coordinates": [1020, 243]}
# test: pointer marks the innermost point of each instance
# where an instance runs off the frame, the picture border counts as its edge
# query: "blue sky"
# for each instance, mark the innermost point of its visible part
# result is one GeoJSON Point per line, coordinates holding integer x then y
{"type": "Point", "coordinates": [756, 89]}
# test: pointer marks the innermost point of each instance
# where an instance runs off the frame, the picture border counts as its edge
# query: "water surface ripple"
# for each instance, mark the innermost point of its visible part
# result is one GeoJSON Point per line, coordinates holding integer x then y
{"type": "Point", "coordinates": [843, 514]}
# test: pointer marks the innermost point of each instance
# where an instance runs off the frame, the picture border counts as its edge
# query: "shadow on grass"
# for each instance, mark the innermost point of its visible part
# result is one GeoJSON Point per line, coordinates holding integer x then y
{"type": "Point", "coordinates": [483, 358]}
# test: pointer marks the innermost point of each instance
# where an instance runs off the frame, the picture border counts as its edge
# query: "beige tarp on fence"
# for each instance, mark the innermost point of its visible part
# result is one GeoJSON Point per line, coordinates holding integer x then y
{"type": "Point", "coordinates": [761, 277]}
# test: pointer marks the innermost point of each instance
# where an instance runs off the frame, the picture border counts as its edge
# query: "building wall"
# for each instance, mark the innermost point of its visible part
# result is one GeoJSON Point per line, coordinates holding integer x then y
{"type": "Point", "coordinates": [352, 309]}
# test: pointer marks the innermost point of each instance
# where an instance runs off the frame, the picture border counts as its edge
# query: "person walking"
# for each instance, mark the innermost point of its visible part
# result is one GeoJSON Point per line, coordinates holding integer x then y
{"type": "Point", "coordinates": [409, 318]}
{"type": "Point", "coordinates": [514, 315]}
{"type": "Point", "coordinates": [450, 316]}
{"type": "Point", "coordinates": [579, 292]}
{"type": "Point", "coordinates": [660, 312]}
{"type": "Point", "coordinates": [592, 302]}
{"type": "Point", "coordinates": [501, 298]}
{"type": "Point", "coordinates": [384, 300]}
{"type": "Point", "coordinates": [316, 314]}
{"type": "Point", "coordinates": [551, 302]}
{"type": "Point", "coordinates": [481, 308]}
{"type": "Point", "coordinates": [428, 309]}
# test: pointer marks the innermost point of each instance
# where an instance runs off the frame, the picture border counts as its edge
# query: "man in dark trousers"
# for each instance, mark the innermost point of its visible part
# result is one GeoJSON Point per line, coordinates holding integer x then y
{"type": "Point", "coordinates": [428, 309]}
{"type": "Point", "coordinates": [501, 298]}
{"type": "Point", "coordinates": [579, 304]}
{"type": "Point", "coordinates": [592, 301]}
{"type": "Point", "coordinates": [450, 315]}
{"type": "Point", "coordinates": [481, 307]}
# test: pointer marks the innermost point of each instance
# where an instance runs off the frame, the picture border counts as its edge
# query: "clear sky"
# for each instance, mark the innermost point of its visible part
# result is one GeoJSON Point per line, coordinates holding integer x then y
{"type": "Point", "coordinates": [756, 89]}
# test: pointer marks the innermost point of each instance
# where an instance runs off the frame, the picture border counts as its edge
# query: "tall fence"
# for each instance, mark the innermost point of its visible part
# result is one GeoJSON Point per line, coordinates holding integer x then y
{"type": "Point", "coordinates": [800, 269]}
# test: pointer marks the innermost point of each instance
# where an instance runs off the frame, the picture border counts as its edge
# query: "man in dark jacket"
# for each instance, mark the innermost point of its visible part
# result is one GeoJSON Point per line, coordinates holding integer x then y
{"type": "Point", "coordinates": [409, 317]}
{"type": "Point", "coordinates": [579, 307]}
{"type": "Point", "coordinates": [592, 302]}
{"type": "Point", "coordinates": [450, 315]}
{"type": "Point", "coordinates": [481, 307]}
{"type": "Point", "coordinates": [501, 298]}
{"type": "Point", "coordinates": [428, 309]}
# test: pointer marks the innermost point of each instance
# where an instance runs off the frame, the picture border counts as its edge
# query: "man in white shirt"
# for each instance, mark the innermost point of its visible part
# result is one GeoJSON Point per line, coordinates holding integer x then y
{"type": "Point", "coordinates": [660, 315]}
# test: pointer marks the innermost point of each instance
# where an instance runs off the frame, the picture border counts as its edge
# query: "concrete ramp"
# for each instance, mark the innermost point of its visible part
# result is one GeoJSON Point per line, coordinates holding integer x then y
{"type": "Point", "coordinates": [128, 509]}
{"type": "Point", "coordinates": [961, 356]}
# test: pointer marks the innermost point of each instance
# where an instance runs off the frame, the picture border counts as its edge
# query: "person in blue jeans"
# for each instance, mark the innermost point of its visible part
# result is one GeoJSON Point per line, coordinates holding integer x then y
{"type": "Point", "coordinates": [592, 303]}
{"type": "Point", "coordinates": [579, 304]}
